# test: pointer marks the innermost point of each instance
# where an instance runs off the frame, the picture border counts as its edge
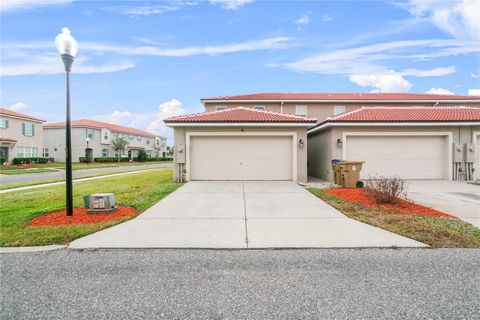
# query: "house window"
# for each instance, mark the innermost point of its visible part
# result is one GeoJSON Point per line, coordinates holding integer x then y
{"type": "Point", "coordinates": [3, 123]}
{"type": "Point", "coordinates": [104, 152]}
{"type": "Point", "coordinates": [301, 111]}
{"type": "Point", "coordinates": [120, 136]}
{"type": "Point", "coordinates": [26, 152]}
{"type": "Point", "coordinates": [45, 153]}
{"type": "Point", "coordinates": [147, 141]}
{"type": "Point", "coordinates": [338, 109]}
{"type": "Point", "coordinates": [89, 133]}
{"type": "Point", "coordinates": [130, 136]}
{"type": "Point", "coordinates": [28, 129]}
{"type": "Point", "coordinates": [218, 108]}
{"type": "Point", "coordinates": [105, 135]}
{"type": "Point", "coordinates": [259, 107]}
{"type": "Point", "coordinates": [139, 138]}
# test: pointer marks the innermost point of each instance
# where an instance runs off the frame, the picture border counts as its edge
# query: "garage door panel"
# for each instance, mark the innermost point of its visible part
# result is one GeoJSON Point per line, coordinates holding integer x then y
{"type": "Point", "coordinates": [241, 158]}
{"type": "Point", "coordinates": [410, 157]}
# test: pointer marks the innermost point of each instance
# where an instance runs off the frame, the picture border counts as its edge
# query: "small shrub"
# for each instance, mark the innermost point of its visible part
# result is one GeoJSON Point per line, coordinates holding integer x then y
{"type": "Point", "coordinates": [32, 160]}
{"type": "Point", "coordinates": [85, 159]}
{"type": "Point", "coordinates": [104, 159]}
{"type": "Point", "coordinates": [142, 156]}
{"type": "Point", "coordinates": [386, 189]}
{"type": "Point", "coordinates": [2, 161]}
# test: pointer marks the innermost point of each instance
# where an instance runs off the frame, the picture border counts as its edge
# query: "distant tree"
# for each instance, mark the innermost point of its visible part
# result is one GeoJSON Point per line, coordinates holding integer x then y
{"type": "Point", "coordinates": [142, 155]}
{"type": "Point", "coordinates": [119, 145]}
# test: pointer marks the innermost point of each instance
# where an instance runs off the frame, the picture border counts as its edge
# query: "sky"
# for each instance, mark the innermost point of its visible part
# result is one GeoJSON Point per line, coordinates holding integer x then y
{"type": "Point", "coordinates": [141, 61]}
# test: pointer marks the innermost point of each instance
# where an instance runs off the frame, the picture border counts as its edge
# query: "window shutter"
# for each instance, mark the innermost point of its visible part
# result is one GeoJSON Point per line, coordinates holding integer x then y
{"type": "Point", "coordinates": [23, 128]}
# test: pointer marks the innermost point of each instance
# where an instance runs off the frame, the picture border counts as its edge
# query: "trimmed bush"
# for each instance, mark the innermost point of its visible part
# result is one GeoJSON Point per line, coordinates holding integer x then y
{"type": "Point", "coordinates": [110, 159]}
{"type": "Point", "coordinates": [85, 159]}
{"type": "Point", "coordinates": [2, 161]}
{"type": "Point", "coordinates": [386, 189]}
{"type": "Point", "coordinates": [142, 156]}
{"type": "Point", "coordinates": [32, 160]}
{"type": "Point", "coordinates": [159, 159]}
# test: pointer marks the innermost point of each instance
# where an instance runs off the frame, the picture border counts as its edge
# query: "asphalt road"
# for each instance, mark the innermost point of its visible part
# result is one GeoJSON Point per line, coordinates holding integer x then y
{"type": "Point", "coordinates": [241, 284]}
{"type": "Point", "coordinates": [4, 179]}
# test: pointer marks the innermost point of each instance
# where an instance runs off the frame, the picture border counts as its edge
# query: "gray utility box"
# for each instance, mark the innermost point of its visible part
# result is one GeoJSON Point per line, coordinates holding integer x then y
{"type": "Point", "coordinates": [101, 202]}
{"type": "Point", "coordinates": [469, 152]}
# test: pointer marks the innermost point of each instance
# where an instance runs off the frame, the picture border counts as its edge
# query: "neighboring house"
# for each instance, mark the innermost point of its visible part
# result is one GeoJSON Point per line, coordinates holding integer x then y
{"type": "Point", "coordinates": [323, 105]}
{"type": "Point", "coordinates": [409, 142]}
{"type": "Point", "coordinates": [99, 136]}
{"type": "Point", "coordinates": [263, 136]}
{"type": "Point", "coordinates": [240, 144]}
{"type": "Point", "coordinates": [20, 135]}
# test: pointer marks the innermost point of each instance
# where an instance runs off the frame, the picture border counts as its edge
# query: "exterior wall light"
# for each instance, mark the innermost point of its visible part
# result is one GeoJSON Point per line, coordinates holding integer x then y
{"type": "Point", "coordinates": [339, 143]}
{"type": "Point", "coordinates": [301, 143]}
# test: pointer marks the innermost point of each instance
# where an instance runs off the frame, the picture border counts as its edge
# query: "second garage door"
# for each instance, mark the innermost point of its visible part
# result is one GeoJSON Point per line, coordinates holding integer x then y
{"type": "Point", "coordinates": [409, 157]}
{"type": "Point", "coordinates": [241, 158]}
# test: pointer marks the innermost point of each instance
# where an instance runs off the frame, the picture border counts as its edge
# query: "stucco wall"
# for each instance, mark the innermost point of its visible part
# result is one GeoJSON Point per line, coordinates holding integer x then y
{"type": "Point", "coordinates": [14, 131]}
{"type": "Point", "coordinates": [180, 140]}
{"type": "Point", "coordinates": [320, 110]}
{"type": "Point", "coordinates": [326, 140]}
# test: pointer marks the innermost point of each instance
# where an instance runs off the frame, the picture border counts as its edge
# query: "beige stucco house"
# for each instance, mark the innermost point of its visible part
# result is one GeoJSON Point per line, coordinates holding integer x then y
{"type": "Point", "coordinates": [21, 135]}
{"type": "Point", "coordinates": [100, 136]}
{"type": "Point", "coordinates": [240, 144]}
{"type": "Point", "coordinates": [263, 136]}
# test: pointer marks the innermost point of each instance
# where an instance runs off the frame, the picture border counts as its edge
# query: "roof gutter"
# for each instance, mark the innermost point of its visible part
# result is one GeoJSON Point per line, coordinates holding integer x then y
{"type": "Point", "coordinates": [338, 100]}
{"type": "Point", "coordinates": [240, 124]}
{"type": "Point", "coordinates": [326, 125]}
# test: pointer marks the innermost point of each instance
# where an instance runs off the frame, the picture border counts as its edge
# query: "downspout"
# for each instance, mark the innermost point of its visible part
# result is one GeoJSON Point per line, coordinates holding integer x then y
{"type": "Point", "coordinates": [281, 106]}
{"type": "Point", "coordinates": [436, 103]}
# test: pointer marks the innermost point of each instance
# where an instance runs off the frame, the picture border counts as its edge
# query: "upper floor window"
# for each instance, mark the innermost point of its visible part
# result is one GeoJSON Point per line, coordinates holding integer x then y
{"type": "Point", "coordinates": [105, 135]}
{"type": "Point", "coordinates": [130, 136]}
{"type": "Point", "coordinates": [120, 136]}
{"type": "Point", "coordinates": [139, 138]}
{"type": "Point", "coordinates": [28, 129]}
{"type": "Point", "coordinates": [218, 108]}
{"type": "Point", "coordinates": [148, 141]}
{"type": "Point", "coordinates": [3, 123]}
{"type": "Point", "coordinates": [89, 133]}
{"type": "Point", "coordinates": [338, 109]}
{"type": "Point", "coordinates": [259, 107]}
{"type": "Point", "coordinates": [301, 111]}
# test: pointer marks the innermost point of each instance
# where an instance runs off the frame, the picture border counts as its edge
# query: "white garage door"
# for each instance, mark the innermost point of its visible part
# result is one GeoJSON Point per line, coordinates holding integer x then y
{"type": "Point", "coordinates": [410, 157]}
{"type": "Point", "coordinates": [241, 158]}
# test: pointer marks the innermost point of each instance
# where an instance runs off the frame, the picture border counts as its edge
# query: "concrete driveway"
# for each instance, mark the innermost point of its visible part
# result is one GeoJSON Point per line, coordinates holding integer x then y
{"type": "Point", "coordinates": [459, 199]}
{"type": "Point", "coordinates": [236, 214]}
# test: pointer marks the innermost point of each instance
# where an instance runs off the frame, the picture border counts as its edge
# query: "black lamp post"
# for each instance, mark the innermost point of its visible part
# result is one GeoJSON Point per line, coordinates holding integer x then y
{"type": "Point", "coordinates": [67, 46]}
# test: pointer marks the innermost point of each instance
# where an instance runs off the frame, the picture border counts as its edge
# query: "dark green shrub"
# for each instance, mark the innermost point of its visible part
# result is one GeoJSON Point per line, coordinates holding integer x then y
{"type": "Point", "coordinates": [32, 160]}
{"type": "Point", "coordinates": [2, 161]}
{"type": "Point", "coordinates": [142, 156]}
{"type": "Point", "coordinates": [85, 159]}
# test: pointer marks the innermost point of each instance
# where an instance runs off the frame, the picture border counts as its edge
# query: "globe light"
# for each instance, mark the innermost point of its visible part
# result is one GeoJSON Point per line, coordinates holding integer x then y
{"type": "Point", "coordinates": [66, 43]}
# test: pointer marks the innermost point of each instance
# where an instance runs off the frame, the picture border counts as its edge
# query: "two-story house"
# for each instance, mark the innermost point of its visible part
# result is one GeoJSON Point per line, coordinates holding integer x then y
{"type": "Point", "coordinates": [20, 135]}
{"type": "Point", "coordinates": [95, 138]}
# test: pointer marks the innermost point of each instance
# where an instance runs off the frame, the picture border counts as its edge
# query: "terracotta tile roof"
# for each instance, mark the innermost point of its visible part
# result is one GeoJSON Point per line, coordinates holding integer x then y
{"type": "Point", "coordinates": [325, 96]}
{"type": "Point", "coordinates": [7, 112]}
{"type": "Point", "coordinates": [8, 140]}
{"type": "Point", "coordinates": [408, 114]}
{"type": "Point", "coordinates": [240, 114]}
{"type": "Point", "coordinates": [99, 125]}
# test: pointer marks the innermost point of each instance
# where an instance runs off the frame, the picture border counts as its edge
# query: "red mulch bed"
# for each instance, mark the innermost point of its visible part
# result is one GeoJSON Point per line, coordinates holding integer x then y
{"type": "Point", "coordinates": [401, 206]}
{"type": "Point", "coordinates": [80, 216]}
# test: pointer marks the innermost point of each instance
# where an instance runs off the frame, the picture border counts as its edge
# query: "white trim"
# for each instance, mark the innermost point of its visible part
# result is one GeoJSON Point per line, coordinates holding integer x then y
{"type": "Point", "coordinates": [337, 100]}
{"type": "Point", "coordinates": [449, 136]}
{"type": "Point", "coordinates": [392, 124]}
{"type": "Point", "coordinates": [476, 165]}
{"type": "Point", "coordinates": [240, 124]}
{"type": "Point", "coordinates": [22, 118]}
{"type": "Point", "coordinates": [259, 134]}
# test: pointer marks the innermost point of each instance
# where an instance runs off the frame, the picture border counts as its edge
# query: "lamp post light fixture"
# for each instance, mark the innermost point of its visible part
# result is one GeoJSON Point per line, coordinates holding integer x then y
{"type": "Point", "coordinates": [67, 46]}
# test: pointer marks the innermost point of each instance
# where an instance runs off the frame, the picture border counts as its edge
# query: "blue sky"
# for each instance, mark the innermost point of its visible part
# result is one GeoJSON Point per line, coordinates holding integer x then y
{"type": "Point", "coordinates": [141, 61]}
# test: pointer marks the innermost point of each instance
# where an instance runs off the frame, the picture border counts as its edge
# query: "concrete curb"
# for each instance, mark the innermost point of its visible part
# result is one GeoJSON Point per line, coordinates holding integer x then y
{"type": "Point", "coordinates": [31, 249]}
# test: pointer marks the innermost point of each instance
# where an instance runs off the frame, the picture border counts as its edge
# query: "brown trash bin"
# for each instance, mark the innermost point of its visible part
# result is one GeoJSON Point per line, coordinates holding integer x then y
{"type": "Point", "coordinates": [337, 175]}
{"type": "Point", "coordinates": [350, 173]}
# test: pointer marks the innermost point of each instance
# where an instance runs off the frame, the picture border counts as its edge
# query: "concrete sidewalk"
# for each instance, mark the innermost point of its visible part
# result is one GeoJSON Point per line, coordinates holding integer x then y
{"type": "Point", "coordinates": [236, 214]}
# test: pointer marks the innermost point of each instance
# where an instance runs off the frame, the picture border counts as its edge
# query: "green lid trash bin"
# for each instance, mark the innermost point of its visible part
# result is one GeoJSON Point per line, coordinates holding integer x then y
{"type": "Point", "coordinates": [86, 201]}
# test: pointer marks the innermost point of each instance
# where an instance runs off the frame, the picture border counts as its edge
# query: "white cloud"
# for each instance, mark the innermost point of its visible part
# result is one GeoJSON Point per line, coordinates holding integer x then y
{"type": "Point", "coordinates": [459, 18]}
{"type": "Point", "coordinates": [473, 75]}
{"type": "Point", "coordinates": [40, 57]}
{"type": "Point", "coordinates": [231, 4]}
{"type": "Point", "coordinates": [441, 91]}
{"type": "Point", "coordinates": [474, 92]}
{"type": "Point", "coordinates": [148, 10]}
{"type": "Point", "coordinates": [303, 20]}
{"type": "Point", "coordinates": [437, 72]}
{"type": "Point", "coordinates": [17, 106]}
{"type": "Point", "coordinates": [149, 121]}
{"type": "Point", "coordinates": [327, 18]}
{"type": "Point", "coordinates": [14, 5]}
{"type": "Point", "coordinates": [387, 82]}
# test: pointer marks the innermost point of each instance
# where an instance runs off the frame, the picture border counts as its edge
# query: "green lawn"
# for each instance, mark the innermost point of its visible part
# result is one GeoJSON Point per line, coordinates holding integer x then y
{"type": "Point", "coordinates": [140, 191]}
{"type": "Point", "coordinates": [55, 166]}
{"type": "Point", "coordinates": [436, 232]}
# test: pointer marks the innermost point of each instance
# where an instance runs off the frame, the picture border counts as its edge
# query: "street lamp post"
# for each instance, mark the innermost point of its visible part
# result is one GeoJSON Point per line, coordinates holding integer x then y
{"type": "Point", "coordinates": [87, 151]}
{"type": "Point", "coordinates": [67, 46]}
